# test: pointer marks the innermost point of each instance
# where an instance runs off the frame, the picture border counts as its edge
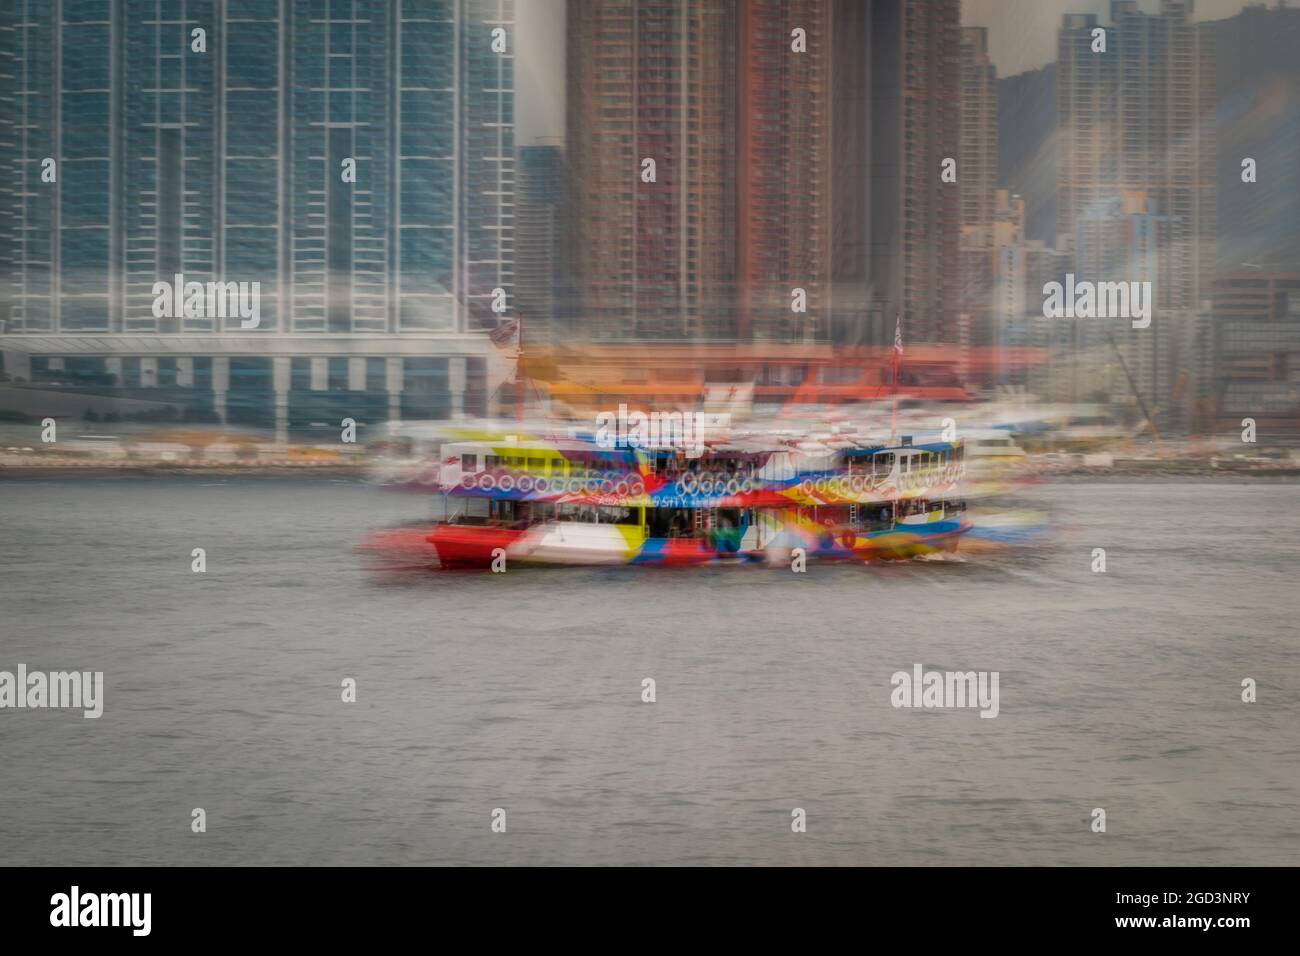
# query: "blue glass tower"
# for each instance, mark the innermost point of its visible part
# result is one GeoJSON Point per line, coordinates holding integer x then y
{"type": "Point", "coordinates": [354, 158]}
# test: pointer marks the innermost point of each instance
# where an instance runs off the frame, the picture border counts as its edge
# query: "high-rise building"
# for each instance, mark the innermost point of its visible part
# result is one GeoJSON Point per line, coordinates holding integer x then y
{"type": "Point", "coordinates": [1256, 319]}
{"type": "Point", "coordinates": [1009, 293]}
{"type": "Point", "coordinates": [355, 158]}
{"type": "Point", "coordinates": [865, 284]}
{"type": "Point", "coordinates": [1136, 119]}
{"type": "Point", "coordinates": [798, 144]}
{"type": "Point", "coordinates": [915, 125]}
{"type": "Point", "coordinates": [978, 163]}
{"type": "Point", "coordinates": [541, 290]}
{"type": "Point", "coordinates": [1050, 378]}
{"type": "Point", "coordinates": [977, 168]}
{"type": "Point", "coordinates": [783, 190]}
{"type": "Point", "coordinates": [651, 129]}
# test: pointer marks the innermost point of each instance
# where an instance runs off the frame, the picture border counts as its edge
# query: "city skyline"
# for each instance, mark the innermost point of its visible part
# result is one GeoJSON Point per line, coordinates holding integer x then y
{"type": "Point", "coordinates": [724, 179]}
{"type": "Point", "coordinates": [1022, 37]}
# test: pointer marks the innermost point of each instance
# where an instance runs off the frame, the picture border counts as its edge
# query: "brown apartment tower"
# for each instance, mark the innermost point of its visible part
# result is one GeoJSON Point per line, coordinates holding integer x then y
{"type": "Point", "coordinates": [895, 226]}
{"type": "Point", "coordinates": [781, 161]}
{"type": "Point", "coordinates": [652, 80]}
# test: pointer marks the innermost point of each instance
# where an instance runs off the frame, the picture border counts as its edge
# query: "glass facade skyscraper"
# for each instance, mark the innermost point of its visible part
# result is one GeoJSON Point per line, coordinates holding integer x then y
{"type": "Point", "coordinates": [355, 158]}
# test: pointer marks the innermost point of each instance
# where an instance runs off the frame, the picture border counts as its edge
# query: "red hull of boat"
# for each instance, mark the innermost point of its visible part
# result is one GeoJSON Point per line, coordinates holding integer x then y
{"type": "Point", "coordinates": [466, 546]}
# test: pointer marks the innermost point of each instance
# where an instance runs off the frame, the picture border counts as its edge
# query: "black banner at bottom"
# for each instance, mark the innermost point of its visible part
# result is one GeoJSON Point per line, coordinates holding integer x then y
{"type": "Point", "coordinates": [653, 905]}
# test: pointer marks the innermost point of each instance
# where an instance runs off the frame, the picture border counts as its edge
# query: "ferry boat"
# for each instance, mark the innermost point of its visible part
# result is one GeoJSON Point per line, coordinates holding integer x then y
{"type": "Point", "coordinates": [571, 501]}
{"type": "Point", "coordinates": [992, 454]}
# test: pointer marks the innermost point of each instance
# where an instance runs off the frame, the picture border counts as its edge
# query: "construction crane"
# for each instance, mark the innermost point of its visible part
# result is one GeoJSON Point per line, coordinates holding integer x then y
{"type": "Point", "coordinates": [1137, 393]}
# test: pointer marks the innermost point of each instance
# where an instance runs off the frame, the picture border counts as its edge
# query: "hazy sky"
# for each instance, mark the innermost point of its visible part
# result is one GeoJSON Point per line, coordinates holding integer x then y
{"type": "Point", "coordinates": [539, 70]}
{"type": "Point", "coordinates": [1022, 36]}
{"type": "Point", "coordinates": [1022, 33]}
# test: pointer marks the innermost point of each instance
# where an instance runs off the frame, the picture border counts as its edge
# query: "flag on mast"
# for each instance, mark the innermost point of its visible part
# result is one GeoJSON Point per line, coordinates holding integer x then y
{"type": "Point", "coordinates": [506, 335]}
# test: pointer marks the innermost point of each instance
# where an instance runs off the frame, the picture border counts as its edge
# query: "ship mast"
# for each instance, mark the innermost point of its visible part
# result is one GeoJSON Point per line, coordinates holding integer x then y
{"type": "Point", "coordinates": [520, 373]}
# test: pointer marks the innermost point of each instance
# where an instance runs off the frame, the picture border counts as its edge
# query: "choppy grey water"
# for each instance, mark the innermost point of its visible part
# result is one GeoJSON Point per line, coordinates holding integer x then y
{"type": "Point", "coordinates": [523, 691]}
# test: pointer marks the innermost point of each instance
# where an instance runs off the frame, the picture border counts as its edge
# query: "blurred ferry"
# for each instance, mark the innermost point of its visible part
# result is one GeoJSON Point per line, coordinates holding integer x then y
{"type": "Point", "coordinates": [573, 502]}
{"type": "Point", "coordinates": [992, 453]}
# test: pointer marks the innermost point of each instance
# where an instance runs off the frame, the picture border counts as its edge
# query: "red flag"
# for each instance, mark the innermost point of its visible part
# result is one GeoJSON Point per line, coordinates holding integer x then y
{"type": "Point", "coordinates": [506, 334]}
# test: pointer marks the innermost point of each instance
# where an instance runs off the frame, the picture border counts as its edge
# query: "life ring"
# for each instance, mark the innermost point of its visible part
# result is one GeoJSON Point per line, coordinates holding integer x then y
{"type": "Point", "coordinates": [467, 481]}
{"type": "Point", "coordinates": [525, 484]}
{"type": "Point", "coordinates": [541, 486]}
{"type": "Point", "coordinates": [487, 481]}
{"type": "Point", "coordinates": [621, 489]}
{"type": "Point", "coordinates": [638, 488]}
{"type": "Point", "coordinates": [733, 487]}
{"type": "Point", "coordinates": [806, 486]}
{"type": "Point", "coordinates": [820, 485]}
{"type": "Point", "coordinates": [606, 487]}
{"type": "Point", "coordinates": [591, 486]}
{"type": "Point", "coordinates": [859, 484]}
{"type": "Point", "coordinates": [706, 485]}
{"type": "Point", "coordinates": [747, 485]}
{"type": "Point", "coordinates": [688, 484]}
{"type": "Point", "coordinates": [506, 483]}
{"type": "Point", "coordinates": [844, 486]}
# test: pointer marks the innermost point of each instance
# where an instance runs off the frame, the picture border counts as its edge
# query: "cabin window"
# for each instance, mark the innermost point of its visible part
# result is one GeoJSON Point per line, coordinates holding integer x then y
{"type": "Point", "coordinates": [613, 514]}
{"type": "Point", "coordinates": [469, 462]}
{"type": "Point", "coordinates": [537, 464]}
{"type": "Point", "coordinates": [670, 523]}
{"type": "Point", "coordinates": [515, 461]}
{"type": "Point", "coordinates": [493, 461]}
{"type": "Point", "coordinates": [884, 463]}
{"type": "Point", "coordinates": [583, 514]}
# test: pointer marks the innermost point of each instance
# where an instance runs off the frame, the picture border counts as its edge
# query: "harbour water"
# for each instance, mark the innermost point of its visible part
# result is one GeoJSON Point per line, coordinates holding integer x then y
{"type": "Point", "coordinates": [523, 691]}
